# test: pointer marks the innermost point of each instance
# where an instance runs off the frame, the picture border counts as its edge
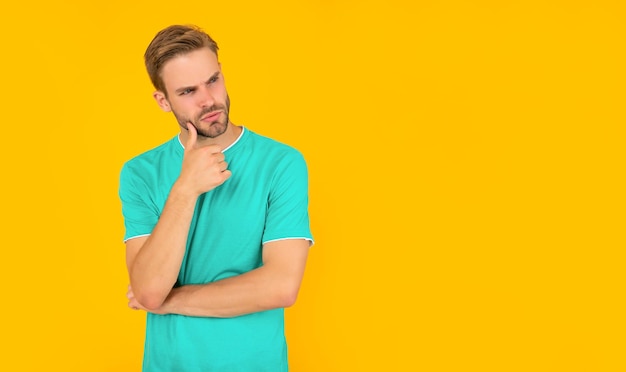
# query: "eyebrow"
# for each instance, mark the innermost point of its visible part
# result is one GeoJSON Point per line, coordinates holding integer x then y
{"type": "Point", "coordinates": [181, 89]}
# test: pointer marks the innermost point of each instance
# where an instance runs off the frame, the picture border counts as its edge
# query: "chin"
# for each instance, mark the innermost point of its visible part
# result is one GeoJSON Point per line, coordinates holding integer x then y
{"type": "Point", "coordinates": [214, 130]}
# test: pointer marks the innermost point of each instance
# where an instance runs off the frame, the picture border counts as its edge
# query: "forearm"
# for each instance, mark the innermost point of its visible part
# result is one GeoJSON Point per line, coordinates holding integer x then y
{"type": "Point", "coordinates": [155, 268]}
{"type": "Point", "coordinates": [258, 290]}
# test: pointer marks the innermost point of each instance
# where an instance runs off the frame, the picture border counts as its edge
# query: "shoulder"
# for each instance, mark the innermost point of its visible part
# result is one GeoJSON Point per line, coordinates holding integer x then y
{"type": "Point", "coordinates": [274, 149]}
{"type": "Point", "coordinates": [283, 164]}
{"type": "Point", "coordinates": [144, 174]}
{"type": "Point", "coordinates": [153, 156]}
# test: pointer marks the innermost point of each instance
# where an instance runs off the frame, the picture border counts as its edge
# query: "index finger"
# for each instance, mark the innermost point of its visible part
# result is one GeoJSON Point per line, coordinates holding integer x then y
{"type": "Point", "coordinates": [192, 136]}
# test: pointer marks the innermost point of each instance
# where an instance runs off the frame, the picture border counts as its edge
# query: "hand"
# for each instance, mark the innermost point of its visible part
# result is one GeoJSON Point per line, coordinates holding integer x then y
{"type": "Point", "coordinates": [204, 167]}
{"type": "Point", "coordinates": [135, 305]}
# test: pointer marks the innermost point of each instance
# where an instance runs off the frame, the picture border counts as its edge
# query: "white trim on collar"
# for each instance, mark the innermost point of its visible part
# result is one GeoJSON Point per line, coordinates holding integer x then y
{"type": "Point", "coordinates": [243, 129]}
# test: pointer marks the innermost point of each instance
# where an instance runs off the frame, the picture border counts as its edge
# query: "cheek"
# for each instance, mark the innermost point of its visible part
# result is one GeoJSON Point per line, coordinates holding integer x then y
{"type": "Point", "coordinates": [181, 115]}
{"type": "Point", "coordinates": [182, 109]}
{"type": "Point", "coordinates": [219, 92]}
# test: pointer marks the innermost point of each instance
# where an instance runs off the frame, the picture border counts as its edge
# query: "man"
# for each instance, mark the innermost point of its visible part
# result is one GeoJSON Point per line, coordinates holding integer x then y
{"type": "Point", "coordinates": [217, 227]}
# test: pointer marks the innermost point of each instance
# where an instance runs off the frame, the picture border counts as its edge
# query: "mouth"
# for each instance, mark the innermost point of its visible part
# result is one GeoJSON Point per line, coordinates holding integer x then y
{"type": "Point", "coordinates": [212, 116]}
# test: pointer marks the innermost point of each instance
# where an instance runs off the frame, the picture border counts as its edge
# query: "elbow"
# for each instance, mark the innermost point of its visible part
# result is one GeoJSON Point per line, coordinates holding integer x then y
{"type": "Point", "coordinates": [151, 304]}
{"type": "Point", "coordinates": [290, 300]}
{"type": "Point", "coordinates": [150, 301]}
{"type": "Point", "coordinates": [150, 295]}
{"type": "Point", "coordinates": [286, 297]}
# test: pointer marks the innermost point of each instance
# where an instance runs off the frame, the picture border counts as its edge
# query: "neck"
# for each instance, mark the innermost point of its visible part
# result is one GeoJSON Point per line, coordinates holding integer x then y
{"type": "Point", "coordinates": [223, 141]}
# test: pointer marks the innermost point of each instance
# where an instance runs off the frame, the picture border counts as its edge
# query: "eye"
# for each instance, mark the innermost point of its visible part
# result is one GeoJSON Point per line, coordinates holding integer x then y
{"type": "Point", "coordinates": [186, 91]}
{"type": "Point", "coordinates": [213, 79]}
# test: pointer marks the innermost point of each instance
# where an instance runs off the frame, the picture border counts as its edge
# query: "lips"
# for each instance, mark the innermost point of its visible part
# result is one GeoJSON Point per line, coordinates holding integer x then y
{"type": "Point", "coordinates": [211, 116]}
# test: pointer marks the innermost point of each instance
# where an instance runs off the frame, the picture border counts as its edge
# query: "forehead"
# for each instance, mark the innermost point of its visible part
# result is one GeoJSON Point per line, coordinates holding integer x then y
{"type": "Point", "coordinates": [189, 69]}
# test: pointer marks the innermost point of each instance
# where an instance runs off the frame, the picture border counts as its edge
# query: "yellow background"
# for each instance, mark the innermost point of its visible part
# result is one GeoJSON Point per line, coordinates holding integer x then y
{"type": "Point", "coordinates": [466, 162]}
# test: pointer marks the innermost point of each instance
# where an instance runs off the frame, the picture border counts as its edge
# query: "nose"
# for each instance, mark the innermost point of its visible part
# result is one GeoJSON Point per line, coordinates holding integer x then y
{"type": "Point", "coordinates": [204, 97]}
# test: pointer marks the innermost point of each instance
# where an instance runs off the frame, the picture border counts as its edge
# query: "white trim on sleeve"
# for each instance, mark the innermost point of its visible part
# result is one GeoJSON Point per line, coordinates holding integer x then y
{"type": "Point", "coordinates": [136, 236]}
{"type": "Point", "coordinates": [311, 242]}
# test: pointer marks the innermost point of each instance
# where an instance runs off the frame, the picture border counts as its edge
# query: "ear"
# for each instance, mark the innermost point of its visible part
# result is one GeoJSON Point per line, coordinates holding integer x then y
{"type": "Point", "coordinates": [162, 101]}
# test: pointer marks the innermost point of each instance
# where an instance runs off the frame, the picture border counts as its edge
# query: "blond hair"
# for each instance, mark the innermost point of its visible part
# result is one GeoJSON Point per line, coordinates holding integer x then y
{"type": "Point", "coordinates": [170, 43]}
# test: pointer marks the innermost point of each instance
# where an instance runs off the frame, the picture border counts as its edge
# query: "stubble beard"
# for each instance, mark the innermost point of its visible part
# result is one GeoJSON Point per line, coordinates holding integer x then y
{"type": "Point", "coordinates": [215, 128]}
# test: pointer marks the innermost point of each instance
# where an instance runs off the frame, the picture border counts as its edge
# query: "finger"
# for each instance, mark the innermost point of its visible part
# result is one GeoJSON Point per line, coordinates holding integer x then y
{"type": "Point", "coordinates": [226, 174]}
{"type": "Point", "coordinates": [133, 304]}
{"type": "Point", "coordinates": [192, 136]}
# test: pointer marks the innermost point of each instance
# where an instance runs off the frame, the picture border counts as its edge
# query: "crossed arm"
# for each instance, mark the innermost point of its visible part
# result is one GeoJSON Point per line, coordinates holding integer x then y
{"type": "Point", "coordinates": [154, 261]}
{"type": "Point", "coordinates": [273, 285]}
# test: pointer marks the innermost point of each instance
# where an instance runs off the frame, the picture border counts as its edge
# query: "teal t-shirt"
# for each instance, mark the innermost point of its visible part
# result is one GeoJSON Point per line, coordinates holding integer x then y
{"type": "Point", "coordinates": [265, 199]}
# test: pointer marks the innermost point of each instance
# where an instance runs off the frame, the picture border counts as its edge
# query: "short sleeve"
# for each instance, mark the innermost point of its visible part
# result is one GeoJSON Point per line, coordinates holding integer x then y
{"type": "Point", "coordinates": [287, 213]}
{"type": "Point", "coordinates": [140, 213]}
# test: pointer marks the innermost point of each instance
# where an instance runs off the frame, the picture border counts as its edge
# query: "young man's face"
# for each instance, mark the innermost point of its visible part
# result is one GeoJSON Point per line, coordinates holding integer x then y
{"type": "Point", "coordinates": [196, 92]}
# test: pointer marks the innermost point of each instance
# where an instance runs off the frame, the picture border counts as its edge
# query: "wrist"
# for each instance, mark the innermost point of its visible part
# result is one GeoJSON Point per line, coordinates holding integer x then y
{"type": "Point", "coordinates": [182, 190]}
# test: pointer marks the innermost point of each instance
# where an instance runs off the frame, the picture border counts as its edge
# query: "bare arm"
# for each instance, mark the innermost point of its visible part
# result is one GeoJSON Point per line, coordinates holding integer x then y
{"type": "Point", "coordinates": [154, 262]}
{"type": "Point", "coordinates": [273, 285]}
